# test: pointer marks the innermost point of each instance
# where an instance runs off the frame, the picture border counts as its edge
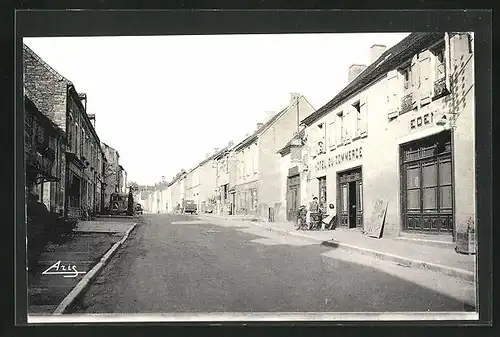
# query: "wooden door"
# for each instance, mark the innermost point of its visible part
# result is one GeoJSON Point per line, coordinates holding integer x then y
{"type": "Point", "coordinates": [293, 197]}
{"type": "Point", "coordinates": [427, 191]}
{"type": "Point", "coordinates": [344, 205]}
{"type": "Point", "coordinates": [359, 204]}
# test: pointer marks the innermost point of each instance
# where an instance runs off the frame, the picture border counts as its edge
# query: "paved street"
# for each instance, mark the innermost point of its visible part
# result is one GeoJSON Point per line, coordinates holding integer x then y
{"type": "Point", "coordinates": [177, 263]}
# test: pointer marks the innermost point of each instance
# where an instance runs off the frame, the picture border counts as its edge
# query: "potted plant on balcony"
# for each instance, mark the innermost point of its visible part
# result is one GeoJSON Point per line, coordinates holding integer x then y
{"type": "Point", "coordinates": [466, 241]}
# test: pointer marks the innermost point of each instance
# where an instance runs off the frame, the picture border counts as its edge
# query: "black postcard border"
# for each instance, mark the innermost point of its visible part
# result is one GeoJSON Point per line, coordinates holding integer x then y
{"type": "Point", "coordinates": [119, 22]}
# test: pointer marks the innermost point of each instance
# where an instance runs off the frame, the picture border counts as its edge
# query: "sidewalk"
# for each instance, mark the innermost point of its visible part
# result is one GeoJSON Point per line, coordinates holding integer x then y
{"type": "Point", "coordinates": [82, 251]}
{"type": "Point", "coordinates": [410, 254]}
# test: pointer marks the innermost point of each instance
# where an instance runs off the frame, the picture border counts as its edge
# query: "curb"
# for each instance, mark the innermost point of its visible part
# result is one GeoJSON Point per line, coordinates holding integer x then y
{"type": "Point", "coordinates": [450, 271]}
{"type": "Point", "coordinates": [91, 275]}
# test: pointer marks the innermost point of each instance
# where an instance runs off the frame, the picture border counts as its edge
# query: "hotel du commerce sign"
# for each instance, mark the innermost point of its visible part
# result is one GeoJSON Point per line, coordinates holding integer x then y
{"type": "Point", "coordinates": [339, 158]}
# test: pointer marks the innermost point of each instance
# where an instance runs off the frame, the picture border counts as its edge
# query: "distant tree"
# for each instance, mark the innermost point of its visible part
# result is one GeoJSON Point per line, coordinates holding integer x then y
{"type": "Point", "coordinates": [133, 186]}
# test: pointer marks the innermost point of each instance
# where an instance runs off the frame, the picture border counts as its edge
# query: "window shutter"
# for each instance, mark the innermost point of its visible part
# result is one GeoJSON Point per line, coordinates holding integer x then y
{"type": "Point", "coordinates": [363, 128]}
{"type": "Point", "coordinates": [352, 121]}
{"type": "Point", "coordinates": [393, 96]}
{"type": "Point", "coordinates": [415, 78]}
{"type": "Point", "coordinates": [339, 123]}
{"type": "Point", "coordinates": [312, 142]}
{"type": "Point", "coordinates": [322, 136]}
{"type": "Point", "coordinates": [332, 135]}
{"type": "Point", "coordinates": [425, 70]}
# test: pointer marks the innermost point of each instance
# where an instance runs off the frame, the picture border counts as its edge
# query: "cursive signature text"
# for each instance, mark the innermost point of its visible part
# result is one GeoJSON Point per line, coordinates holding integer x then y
{"type": "Point", "coordinates": [65, 270]}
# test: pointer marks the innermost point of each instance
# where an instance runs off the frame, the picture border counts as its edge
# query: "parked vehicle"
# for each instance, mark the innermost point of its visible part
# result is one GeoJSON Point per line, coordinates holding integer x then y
{"type": "Point", "coordinates": [118, 203]}
{"type": "Point", "coordinates": [189, 206]}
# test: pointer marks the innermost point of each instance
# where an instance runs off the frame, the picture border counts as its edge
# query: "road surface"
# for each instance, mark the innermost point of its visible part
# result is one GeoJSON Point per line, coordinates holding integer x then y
{"type": "Point", "coordinates": [179, 263]}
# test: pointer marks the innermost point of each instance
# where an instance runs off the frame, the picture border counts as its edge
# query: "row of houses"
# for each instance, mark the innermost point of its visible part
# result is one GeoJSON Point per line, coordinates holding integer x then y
{"type": "Point", "coordinates": [401, 132]}
{"type": "Point", "coordinates": [67, 165]}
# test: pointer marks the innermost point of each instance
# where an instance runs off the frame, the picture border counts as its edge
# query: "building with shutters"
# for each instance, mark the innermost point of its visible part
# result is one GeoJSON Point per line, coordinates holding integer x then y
{"type": "Point", "coordinates": [111, 173]}
{"type": "Point", "coordinates": [57, 98]}
{"type": "Point", "coordinates": [273, 136]}
{"type": "Point", "coordinates": [44, 146]}
{"type": "Point", "coordinates": [245, 169]}
{"type": "Point", "coordinates": [401, 131]}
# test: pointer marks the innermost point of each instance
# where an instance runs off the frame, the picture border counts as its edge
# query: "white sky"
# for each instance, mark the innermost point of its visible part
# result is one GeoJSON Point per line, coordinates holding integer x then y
{"type": "Point", "coordinates": [165, 101]}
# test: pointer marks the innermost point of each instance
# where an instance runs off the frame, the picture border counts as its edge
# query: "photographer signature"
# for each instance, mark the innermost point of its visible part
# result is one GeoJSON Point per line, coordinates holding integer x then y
{"type": "Point", "coordinates": [66, 271]}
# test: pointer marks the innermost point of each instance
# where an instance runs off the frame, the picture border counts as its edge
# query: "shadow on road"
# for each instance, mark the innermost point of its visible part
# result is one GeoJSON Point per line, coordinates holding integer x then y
{"type": "Point", "coordinates": [170, 265]}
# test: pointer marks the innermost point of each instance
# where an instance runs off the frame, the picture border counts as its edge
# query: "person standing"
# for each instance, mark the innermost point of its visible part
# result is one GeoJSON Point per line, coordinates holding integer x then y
{"type": "Point", "coordinates": [313, 208]}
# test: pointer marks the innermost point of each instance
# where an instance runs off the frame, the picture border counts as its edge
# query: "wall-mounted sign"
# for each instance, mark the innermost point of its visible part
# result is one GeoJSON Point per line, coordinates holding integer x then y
{"type": "Point", "coordinates": [349, 155]}
{"type": "Point", "coordinates": [340, 158]}
{"type": "Point", "coordinates": [426, 119]}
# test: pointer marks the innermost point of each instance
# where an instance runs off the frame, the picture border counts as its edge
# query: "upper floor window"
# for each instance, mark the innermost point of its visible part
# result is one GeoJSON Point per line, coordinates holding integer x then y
{"type": "Point", "coordinates": [440, 63]}
{"type": "Point", "coordinates": [406, 72]}
{"type": "Point", "coordinates": [357, 111]}
{"type": "Point", "coordinates": [342, 127]}
{"type": "Point", "coordinates": [332, 136]}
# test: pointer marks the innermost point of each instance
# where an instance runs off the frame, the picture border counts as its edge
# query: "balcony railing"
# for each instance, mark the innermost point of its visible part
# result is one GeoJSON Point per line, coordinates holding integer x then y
{"type": "Point", "coordinates": [406, 103]}
{"type": "Point", "coordinates": [440, 88]}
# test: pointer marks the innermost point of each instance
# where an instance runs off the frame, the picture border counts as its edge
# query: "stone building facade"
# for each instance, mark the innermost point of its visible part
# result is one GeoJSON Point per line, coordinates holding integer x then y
{"type": "Point", "coordinates": [401, 132]}
{"type": "Point", "coordinates": [45, 144]}
{"type": "Point", "coordinates": [271, 138]}
{"type": "Point", "coordinates": [111, 172]}
{"type": "Point", "coordinates": [57, 98]}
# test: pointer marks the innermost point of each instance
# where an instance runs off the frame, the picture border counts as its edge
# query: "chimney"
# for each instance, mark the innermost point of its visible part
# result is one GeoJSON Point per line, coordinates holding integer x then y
{"type": "Point", "coordinates": [269, 115]}
{"type": "Point", "coordinates": [376, 51]}
{"type": "Point", "coordinates": [354, 71]}
{"type": "Point", "coordinates": [216, 149]}
{"type": "Point", "coordinates": [259, 125]}
{"type": "Point", "coordinates": [231, 143]}
{"type": "Point", "coordinates": [294, 96]}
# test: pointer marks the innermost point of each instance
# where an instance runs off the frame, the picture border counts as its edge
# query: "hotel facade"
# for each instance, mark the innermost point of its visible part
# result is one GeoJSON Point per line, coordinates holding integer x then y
{"type": "Point", "coordinates": [401, 131]}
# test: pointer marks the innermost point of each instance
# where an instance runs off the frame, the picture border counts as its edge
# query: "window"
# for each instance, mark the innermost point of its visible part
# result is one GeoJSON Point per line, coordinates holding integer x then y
{"type": "Point", "coordinates": [340, 127]}
{"type": "Point", "coordinates": [406, 72]}
{"type": "Point", "coordinates": [357, 108]}
{"type": "Point", "coordinates": [77, 140]}
{"type": "Point", "coordinates": [440, 62]}
{"type": "Point", "coordinates": [332, 137]}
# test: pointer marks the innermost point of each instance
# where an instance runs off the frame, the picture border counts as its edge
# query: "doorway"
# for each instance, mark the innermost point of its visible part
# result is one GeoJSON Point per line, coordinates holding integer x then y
{"type": "Point", "coordinates": [350, 200]}
{"type": "Point", "coordinates": [293, 197]}
{"type": "Point", "coordinates": [352, 204]}
{"type": "Point", "coordinates": [426, 185]}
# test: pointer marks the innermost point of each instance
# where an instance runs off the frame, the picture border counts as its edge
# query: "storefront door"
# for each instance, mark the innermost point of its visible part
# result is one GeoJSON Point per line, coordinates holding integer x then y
{"type": "Point", "coordinates": [293, 197]}
{"type": "Point", "coordinates": [427, 191]}
{"type": "Point", "coordinates": [322, 194]}
{"type": "Point", "coordinates": [350, 201]}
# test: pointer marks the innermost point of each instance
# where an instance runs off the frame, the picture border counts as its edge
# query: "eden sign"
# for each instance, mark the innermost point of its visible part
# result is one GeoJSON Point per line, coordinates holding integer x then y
{"type": "Point", "coordinates": [340, 158]}
{"type": "Point", "coordinates": [426, 119]}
